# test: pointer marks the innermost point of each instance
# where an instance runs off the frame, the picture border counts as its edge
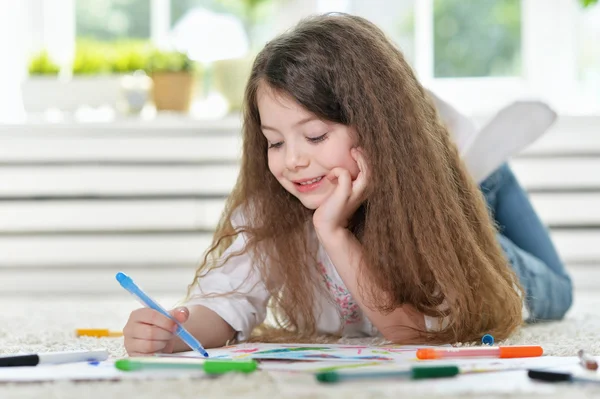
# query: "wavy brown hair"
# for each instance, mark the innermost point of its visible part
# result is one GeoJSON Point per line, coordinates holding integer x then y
{"type": "Point", "coordinates": [427, 237]}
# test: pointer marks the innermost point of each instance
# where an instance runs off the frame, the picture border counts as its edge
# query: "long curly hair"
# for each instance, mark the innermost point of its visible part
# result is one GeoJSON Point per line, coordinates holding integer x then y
{"type": "Point", "coordinates": [427, 237]}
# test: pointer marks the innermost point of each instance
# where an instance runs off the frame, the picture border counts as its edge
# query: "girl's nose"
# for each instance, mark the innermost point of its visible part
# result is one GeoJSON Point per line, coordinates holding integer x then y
{"type": "Point", "coordinates": [295, 158]}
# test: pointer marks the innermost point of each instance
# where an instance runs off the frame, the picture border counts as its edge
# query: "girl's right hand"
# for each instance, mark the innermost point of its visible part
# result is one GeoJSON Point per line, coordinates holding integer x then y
{"type": "Point", "coordinates": [148, 331]}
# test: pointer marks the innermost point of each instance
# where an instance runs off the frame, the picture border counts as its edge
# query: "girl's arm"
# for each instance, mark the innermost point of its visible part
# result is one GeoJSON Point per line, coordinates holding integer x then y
{"type": "Point", "coordinates": [345, 252]}
{"type": "Point", "coordinates": [208, 327]}
{"type": "Point", "coordinates": [228, 301]}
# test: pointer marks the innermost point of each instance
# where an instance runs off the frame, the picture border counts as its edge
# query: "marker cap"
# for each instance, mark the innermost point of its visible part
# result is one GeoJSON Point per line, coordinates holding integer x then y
{"type": "Point", "coordinates": [487, 339]}
{"type": "Point", "coordinates": [427, 354]}
{"type": "Point", "coordinates": [213, 366]}
{"type": "Point", "coordinates": [434, 372]}
{"type": "Point", "coordinates": [549, 376]}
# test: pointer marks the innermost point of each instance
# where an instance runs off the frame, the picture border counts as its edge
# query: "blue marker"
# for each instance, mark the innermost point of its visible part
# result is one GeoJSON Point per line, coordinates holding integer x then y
{"type": "Point", "coordinates": [127, 283]}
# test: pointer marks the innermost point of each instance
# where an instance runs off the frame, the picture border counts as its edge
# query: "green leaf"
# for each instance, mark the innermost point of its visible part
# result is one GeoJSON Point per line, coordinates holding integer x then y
{"type": "Point", "coordinates": [169, 61]}
{"type": "Point", "coordinates": [587, 3]}
{"type": "Point", "coordinates": [42, 64]}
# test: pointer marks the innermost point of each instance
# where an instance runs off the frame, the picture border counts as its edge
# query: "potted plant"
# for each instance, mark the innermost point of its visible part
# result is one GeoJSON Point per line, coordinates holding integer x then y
{"type": "Point", "coordinates": [92, 82]}
{"type": "Point", "coordinates": [38, 90]}
{"type": "Point", "coordinates": [173, 76]}
{"type": "Point", "coordinates": [92, 79]}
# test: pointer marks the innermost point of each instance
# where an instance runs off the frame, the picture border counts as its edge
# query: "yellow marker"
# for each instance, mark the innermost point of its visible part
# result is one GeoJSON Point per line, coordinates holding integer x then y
{"type": "Point", "coordinates": [91, 332]}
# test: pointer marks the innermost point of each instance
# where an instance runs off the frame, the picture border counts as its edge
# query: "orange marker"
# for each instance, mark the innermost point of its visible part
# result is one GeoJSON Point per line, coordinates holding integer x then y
{"type": "Point", "coordinates": [492, 351]}
{"type": "Point", "coordinates": [92, 332]}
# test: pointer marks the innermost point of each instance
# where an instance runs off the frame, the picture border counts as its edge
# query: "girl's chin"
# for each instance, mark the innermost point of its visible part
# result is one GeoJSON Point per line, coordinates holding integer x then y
{"type": "Point", "coordinates": [310, 204]}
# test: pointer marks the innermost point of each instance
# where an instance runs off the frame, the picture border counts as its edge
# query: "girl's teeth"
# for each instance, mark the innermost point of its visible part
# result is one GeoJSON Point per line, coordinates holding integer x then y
{"type": "Point", "coordinates": [311, 181]}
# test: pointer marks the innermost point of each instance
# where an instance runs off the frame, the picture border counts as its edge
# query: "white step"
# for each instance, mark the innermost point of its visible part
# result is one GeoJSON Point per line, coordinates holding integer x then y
{"type": "Point", "coordinates": [578, 246]}
{"type": "Point", "coordinates": [558, 173]}
{"type": "Point", "coordinates": [80, 250]}
{"type": "Point", "coordinates": [185, 249]}
{"type": "Point", "coordinates": [219, 179]}
{"type": "Point", "coordinates": [88, 281]}
{"type": "Point", "coordinates": [568, 208]}
{"type": "Point", "coordinates": [113, 180]}
{"type": "Point", "coordinates": [173, 281]}
{"type": "Point", "coordinates": [569, 134]}
{"type": "Point", "coordinates": [59, 216]}
{"type": "Point", "coordinates": [181, 139]}
{"type": "Point", "coordinates": [51, 216]}
{"type": "Point", "coordinates": [585, 277]}
{"type": "Point", "coordinates": [166, 280]}
{"type": "Point", "coordinates": [120, 148]}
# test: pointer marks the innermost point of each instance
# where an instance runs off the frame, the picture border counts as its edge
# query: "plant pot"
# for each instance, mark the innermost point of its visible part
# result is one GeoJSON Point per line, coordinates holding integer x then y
{"type": "Point", "coordinates": [43, 92]}
{"type": "Point", "coordinates": [230, 78]}
{"type": "Point", "coordinates": [173, 91]}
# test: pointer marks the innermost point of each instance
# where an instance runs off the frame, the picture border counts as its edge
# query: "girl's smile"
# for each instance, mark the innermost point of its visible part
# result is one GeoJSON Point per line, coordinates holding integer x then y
{"type": "Point", "coordinates": [308, 185]}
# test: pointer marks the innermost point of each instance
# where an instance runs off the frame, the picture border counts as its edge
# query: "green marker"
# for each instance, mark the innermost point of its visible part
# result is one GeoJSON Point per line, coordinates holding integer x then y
{"type": "Point", "coordinates": [209, 366]}
{"type": "Point", "coordinates": [415, 373]}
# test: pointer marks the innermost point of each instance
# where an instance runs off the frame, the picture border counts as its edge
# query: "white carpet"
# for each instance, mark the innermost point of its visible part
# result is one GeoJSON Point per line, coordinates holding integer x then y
{"type": "Point", "coordinates": [47, 324]}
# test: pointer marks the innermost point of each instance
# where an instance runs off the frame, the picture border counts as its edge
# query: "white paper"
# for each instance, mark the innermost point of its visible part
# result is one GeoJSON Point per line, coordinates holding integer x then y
{"type": "Point", "coordinates": [86, 372]}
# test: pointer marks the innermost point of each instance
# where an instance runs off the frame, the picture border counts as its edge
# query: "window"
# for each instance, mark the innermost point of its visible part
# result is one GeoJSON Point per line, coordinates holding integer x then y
{"type": "Point", "coordinates": [109, 20]}
{"type": "Point", "coordinates": [398, 22]}
{"type": "Point", "coordinates": [475, 38]}
{"type": "Point", "coordinates": [588, 60]}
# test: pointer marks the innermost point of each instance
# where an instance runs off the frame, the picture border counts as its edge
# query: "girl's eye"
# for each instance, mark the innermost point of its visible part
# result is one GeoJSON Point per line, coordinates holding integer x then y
{"type": "Point", "coordinates": [317, 139]}
{"type": "Point", "coordinates": [276, 145]}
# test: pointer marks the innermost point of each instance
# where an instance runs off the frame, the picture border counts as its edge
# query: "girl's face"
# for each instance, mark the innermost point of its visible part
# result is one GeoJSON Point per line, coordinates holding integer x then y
{"type": "Point", "coordinates": [303, 149]}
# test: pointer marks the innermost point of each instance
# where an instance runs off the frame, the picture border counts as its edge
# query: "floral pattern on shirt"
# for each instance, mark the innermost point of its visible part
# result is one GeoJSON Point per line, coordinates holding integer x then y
{"type": "Point", "coordinates": [349, 309]}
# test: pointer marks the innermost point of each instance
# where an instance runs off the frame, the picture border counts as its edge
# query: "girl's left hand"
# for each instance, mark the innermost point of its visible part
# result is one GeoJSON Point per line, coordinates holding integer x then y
{"type": "Point", "coordinates": [345, 199]}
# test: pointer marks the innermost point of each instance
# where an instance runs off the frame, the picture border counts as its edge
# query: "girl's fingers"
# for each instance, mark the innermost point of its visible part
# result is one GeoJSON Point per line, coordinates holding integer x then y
{"type": "Point", "coordinates": [144, 347]}
{"type": "Point", "coordinates": [181, 314]}
{"type": "Point", "coordinates": [170, 346]}
{"type": "Point", "coordinates": [344, 182]}
{"type": "Point", "coordinates": [136, 354]}
{"type": "Point", "coordinates": [152, 317]}
{"type": "Point", "coordinates": [360, 183]}
{"type": "Point", "coordinates": [362, 163]}
{"type": "Point", "coordinates": [150, 333]}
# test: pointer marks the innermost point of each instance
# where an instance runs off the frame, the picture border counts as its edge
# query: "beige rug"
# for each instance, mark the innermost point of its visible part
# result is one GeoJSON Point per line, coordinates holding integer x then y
{"type": "Point", "coordinates": [47, 324]}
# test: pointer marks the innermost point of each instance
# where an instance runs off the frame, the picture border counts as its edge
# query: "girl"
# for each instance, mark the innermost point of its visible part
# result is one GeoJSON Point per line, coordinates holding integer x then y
{"type": "Point", "coordinates": [353, 213]}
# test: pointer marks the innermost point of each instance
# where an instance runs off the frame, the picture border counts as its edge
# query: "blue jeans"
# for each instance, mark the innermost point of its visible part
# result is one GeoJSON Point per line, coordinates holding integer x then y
{"type": "Point", "coordinates": [528, 247]}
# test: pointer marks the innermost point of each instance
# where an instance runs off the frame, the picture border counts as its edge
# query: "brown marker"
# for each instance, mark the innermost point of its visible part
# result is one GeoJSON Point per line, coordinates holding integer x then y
{"type": "Point", "coordinates": [587, 361]}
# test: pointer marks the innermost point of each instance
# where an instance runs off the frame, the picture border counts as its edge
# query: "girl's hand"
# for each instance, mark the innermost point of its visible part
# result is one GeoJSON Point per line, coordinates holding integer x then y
{"type": "Point", "coordinates": [336, 210]}
{"type": "Point", "coordinates": [148, 331]}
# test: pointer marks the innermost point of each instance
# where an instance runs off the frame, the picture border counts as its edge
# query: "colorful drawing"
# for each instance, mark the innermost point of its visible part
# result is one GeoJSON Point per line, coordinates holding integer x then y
{"type": "Point", "coordinates": [292, 349]}
{"type": "Point", "coordinates": [317, 352]}
{"type": "Point", "coordinates": [311, 356]}
{"type": "Point", "coordinates": [245, 350]}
